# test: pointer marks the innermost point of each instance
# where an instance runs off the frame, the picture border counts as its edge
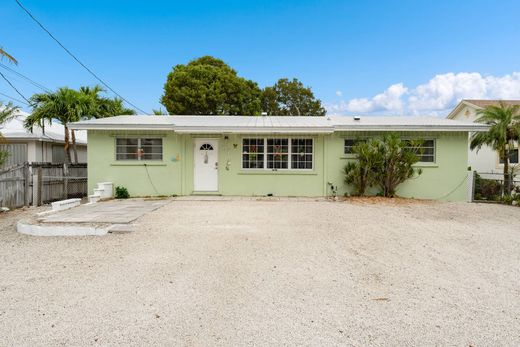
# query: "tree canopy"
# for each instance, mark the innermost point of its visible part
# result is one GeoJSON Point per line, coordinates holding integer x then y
{"type": "Point", "coordinates": [68, 105]}
{"type": "Point", "coordinates": [291, 98]}
{"type": "Point", "coordinates": [208, 86]}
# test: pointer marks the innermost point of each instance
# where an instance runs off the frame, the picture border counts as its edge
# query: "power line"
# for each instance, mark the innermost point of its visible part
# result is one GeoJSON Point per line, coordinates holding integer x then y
{"type": "Point", "coordinates": [34, 83]}
{"type": "Point", "coordinates": [15, 89]}
{"type": "Point", "coordinates": [14, 99]}
{"type": "Point", "coordinates": [76, 58]}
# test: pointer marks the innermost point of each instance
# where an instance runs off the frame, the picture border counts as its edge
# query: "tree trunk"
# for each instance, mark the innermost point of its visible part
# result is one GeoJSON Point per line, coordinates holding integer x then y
{"type": "Point", "coordinates": [506, 190]}
{"type": "Point", "coordinates": [66, 146]}
{"type": "Point", "coordinates": [74, 149]}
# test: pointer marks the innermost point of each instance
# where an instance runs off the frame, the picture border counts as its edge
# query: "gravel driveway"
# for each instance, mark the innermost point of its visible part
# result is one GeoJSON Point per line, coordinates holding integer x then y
{"type": "Point", "coordinates": [233, 273]}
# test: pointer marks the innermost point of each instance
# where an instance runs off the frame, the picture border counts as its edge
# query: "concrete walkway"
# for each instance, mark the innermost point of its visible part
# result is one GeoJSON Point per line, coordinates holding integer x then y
{"type": "Point", "coordinates": [113, 211]}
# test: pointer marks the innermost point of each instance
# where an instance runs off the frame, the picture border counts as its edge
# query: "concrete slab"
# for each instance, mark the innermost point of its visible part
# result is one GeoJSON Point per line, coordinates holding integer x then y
{"type": "Point", "coordinates": [113, 211]}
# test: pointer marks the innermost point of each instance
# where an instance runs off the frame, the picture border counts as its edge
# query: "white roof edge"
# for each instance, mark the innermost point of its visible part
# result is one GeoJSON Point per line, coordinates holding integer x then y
{"type": "Point", "coordinates": [459, 106]}
{"type": "Point", "coordinates": [453, 128]}
{"type": "Point", "coordinates": [322, 130]}
{"type": "Point", "coordinates": [90, 126]}
{"type": "Point", "coordinates": [252, 130]}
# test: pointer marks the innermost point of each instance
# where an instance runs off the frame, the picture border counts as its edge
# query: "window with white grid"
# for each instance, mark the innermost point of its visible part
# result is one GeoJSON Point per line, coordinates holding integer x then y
{"type": "Point", "coordinates": [425, 150]}
{"type": "Point", "coordinates": [139, 149]}
{"type": "Point", "coordinates": [253, 153]}
{"type": "Point", "coordinates": [301, 153]}
{"type": "Point", "coordinates": [277, 153]}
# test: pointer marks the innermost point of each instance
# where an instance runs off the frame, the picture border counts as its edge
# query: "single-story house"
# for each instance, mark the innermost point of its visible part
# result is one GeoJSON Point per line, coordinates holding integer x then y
{"type": "Point", "coordinates": [38, 145]}
{"type": "Point", "coordinates": [264, 155]}
{"type": "Point", "coordinates": [485, 161]}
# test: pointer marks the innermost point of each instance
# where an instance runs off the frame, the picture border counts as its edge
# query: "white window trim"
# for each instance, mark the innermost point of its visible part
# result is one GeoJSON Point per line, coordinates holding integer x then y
{"type": "Point", "coordinates": [434, 149]}
{"type": "Point", "coordinates": [289, 153]}
{"type": "Point", "coordinates": [138, 146]}
{"type": "Point", "coordinates": [354, 139]}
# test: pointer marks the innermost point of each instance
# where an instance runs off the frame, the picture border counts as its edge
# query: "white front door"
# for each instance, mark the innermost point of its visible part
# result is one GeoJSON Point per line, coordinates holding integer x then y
{"type": "Point", "coordinates": [205, 165]}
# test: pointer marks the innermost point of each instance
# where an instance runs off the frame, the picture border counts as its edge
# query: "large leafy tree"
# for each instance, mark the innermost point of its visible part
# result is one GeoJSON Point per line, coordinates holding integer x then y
{"type": "Point", "coordinates": [67, 105]}
{"type": "Point", "coordinates": [208, 86]}
{"type": "Point", "coordinates": [503, 134]}
{"type": "Point", "coordinates": [291, 98]}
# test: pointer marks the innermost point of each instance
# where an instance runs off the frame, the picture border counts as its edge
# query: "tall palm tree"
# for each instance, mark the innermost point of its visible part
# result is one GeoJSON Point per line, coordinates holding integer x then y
{"type": "Point", "coordinates": [68, 105]}
{"type": "Point", "coordinates": [4, 54]}
{"type": "Point", "coordinates": [64, 105]}
{"type": "Point", "coordinates": [503, 134]}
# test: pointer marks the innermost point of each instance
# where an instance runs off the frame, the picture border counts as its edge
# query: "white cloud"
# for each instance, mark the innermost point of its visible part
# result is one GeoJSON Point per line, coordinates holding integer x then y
{"type": "Point", "coordinates": [437, 96]}
{"type": "Point", "coordinates": [389, 100]}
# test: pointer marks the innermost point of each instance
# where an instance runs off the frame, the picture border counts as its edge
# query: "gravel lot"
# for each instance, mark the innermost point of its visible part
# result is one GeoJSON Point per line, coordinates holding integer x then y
{"type": "Point", "coordinates": [232, 273]}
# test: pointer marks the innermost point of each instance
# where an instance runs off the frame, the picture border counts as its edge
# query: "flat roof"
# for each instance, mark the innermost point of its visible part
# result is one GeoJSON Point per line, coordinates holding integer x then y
{"type": "Point", "coordinates": [275, 124]}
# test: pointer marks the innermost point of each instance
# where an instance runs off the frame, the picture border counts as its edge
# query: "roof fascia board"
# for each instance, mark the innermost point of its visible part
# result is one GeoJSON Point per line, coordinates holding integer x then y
{"type": "Point", "coordinates": [80, 126]}
{"type": "Point", "coordinates": [475, 128]}
{"type": "Point", "coordinates": [254, 130]}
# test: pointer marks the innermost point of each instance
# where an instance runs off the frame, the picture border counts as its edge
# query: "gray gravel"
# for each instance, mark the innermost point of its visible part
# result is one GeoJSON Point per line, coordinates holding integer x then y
{"type": "Point", "coordinates": [233, 273]}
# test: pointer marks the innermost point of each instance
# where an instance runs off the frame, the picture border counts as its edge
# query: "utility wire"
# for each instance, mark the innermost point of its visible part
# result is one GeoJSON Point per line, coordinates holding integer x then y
{"type": "Point", "coordinates": [14, 99]}
{"type": "Point", "coordinates": [76, 58]}
{"type": "Point", "coordinates": [34, 83]}
{"type": "Point", "coordinates": [15, 89]}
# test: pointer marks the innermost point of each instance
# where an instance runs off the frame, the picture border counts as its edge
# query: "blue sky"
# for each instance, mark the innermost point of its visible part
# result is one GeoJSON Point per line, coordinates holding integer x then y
{"type": "Point", "coordinates": [370, 57]}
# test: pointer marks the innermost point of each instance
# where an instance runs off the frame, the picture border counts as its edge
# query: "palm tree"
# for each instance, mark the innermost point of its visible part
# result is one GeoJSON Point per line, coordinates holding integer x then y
{"type": "Point", "coordinates": [68, 105]}
{"type": "Point", "coordinates": [4, 54]}
{"type": "Point", "coordinates": [502, 136]}
{"type": "Point", "coordinates": [7, 112]}
{"type": "Point", "coordinates": [64, 105]}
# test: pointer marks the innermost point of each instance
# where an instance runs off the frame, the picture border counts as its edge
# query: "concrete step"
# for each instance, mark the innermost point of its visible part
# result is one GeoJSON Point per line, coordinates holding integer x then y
{"type": "Point", "coordinates": [94, 198]}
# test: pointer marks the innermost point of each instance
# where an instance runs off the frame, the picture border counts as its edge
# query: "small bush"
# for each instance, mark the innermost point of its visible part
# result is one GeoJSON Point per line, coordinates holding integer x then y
{"type": "Point", "coordinates": [486, 189]}
{"type": "Point", "coordinates": [122, 193]}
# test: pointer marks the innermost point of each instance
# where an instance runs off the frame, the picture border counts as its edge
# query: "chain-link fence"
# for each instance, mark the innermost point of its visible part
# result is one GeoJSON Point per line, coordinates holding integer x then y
{"type": "Point", "coordinates": [490, 187]}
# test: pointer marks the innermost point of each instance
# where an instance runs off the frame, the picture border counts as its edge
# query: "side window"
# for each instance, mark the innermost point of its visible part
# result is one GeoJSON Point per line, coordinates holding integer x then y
{"type": "Point", "coordinates": [350, 143]}
{"type": "Point", "coordinates": [139, 149]}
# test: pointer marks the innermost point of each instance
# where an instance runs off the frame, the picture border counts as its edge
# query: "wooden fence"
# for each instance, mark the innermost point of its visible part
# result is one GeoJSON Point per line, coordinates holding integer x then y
{"type": "Point", "coordinates": [40, 183]}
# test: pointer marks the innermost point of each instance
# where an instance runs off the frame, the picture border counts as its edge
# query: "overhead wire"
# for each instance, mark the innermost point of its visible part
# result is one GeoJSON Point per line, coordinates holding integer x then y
{"type": "Point", "coordinates": [13, 87]}
{"type": "Point", "coordinates": [76, 58]}
{"type": "Point", "coordinates": [14, 99]}
{"type": "Point", "coordinates": [31, 81]}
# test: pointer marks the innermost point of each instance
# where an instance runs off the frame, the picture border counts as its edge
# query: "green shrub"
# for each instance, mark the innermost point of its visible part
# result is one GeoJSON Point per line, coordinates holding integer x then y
{"type": "Point", "coordinates": [361, 173]}
{"type": "Point", "coordinates": [385, 162]}
{"type": "Point", "coordinates": [122, 193]}
{"type": "Point", "coordinates": [485, 189]}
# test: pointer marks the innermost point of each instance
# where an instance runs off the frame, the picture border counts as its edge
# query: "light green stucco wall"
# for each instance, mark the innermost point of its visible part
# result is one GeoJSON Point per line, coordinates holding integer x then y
{"type": "Point", "coordinates": [174, 175]}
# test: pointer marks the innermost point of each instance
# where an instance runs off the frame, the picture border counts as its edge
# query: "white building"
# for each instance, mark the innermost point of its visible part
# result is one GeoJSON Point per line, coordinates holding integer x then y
{"type": "Point", "coordinates": [40, 145]}
{"type": "Point", "coordinates": [486, 161]}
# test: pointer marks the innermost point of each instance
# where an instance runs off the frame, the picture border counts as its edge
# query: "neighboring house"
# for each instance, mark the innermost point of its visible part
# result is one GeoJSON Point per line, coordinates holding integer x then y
{"type": "Point", "coordinates": [485, 161]}
{"type": "Point", "coordinates": [40, 145]}
{"type": "Point", "coordinates": [258, 156]}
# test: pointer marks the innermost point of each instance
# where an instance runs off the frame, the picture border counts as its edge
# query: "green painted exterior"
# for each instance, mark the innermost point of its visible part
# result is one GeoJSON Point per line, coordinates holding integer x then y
{"type": "Point", "coordinates": [445, 179]}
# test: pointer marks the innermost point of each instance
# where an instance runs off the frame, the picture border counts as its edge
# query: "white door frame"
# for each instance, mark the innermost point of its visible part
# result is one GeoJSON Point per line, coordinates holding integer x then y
{"type": "Point", "coordinates": [205, 172]}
